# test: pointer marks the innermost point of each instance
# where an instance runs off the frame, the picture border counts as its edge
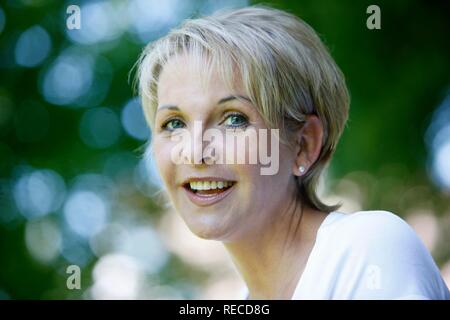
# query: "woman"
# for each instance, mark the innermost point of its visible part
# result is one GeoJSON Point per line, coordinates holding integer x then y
{"type": "Point", "coordinates": [263, 76]}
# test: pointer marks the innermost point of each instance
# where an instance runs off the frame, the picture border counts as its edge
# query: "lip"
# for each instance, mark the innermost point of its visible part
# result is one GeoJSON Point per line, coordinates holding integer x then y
{"type": "Point", "coordinates": [204, 200]}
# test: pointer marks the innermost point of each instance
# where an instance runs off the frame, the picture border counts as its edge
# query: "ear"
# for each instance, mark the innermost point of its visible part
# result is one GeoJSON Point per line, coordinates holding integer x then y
{"type": "Point", "coordinates": [309, 144]}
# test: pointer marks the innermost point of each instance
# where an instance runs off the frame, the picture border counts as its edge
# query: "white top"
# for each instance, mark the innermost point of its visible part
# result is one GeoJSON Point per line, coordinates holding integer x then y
{"type": "Point", "coordinates": [369, 255]}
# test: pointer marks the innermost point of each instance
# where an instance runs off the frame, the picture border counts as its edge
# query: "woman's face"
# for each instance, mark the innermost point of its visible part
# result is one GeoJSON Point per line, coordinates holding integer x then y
{"type": "Point", "coordinates": [217, 201]}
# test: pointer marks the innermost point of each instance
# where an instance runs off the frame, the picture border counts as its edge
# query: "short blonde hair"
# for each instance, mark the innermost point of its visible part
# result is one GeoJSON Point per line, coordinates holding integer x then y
{"type": "Point", "coordinates": [284, 67]}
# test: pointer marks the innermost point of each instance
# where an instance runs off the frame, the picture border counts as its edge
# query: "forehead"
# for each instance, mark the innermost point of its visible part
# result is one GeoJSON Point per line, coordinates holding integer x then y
{"type": "Point", "coordinates": [186, 77]}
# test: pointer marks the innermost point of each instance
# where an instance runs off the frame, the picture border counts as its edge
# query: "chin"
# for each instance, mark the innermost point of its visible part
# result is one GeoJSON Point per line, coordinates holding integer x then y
{"type": "Point", "coordinates": [208, 230]}
{"type": "Point", "coordinates": [208, 233]}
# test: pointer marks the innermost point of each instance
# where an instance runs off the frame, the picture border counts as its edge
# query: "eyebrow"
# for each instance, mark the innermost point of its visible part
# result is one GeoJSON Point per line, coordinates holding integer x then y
{"type": "Point", "coordinates": [168, 106]}
{"type": "Point", "coordinates": [223, 100]}
{"type": "Point", "coordinates": [233, 98]}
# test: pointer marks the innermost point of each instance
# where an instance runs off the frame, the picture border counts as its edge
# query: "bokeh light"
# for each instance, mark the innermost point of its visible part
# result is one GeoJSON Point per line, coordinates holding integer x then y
{"type": "Point", "coordinates": [32, 47]}
{"type": "Point", "coordinates": [116, 276]}
{"type": "Point", "coordinates": [133, 120]}
{"type": "Point", "coordinates": [74, 249]}
{"type": "Point", "coordinates": [143, 244]}
{"type": "Point", "coordinates": [39, 192]}
{"type": "Point", "coordinates": [85, 213]}
{"type": "Point", "coordinates": [437, 138]}
{"type": "Point", "coordinates": [43, 240]}
{"type": "Point", "coordinates": [68, 78]}
{"type": "Point", "coordinates": [150, 18]}
{"type": "Point", "coordinates": [102, 21]}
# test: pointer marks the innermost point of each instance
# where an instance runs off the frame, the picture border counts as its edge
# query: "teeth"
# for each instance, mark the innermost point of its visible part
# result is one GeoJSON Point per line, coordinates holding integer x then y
{"type": "Point", "coordinates": [209, 185]}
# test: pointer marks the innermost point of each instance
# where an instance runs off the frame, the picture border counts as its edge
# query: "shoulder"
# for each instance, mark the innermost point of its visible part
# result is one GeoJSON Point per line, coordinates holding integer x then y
{"type": "Point", "coordinates": [374, 228]}
{"type": "Point", "coordinates": [378, 249]}
{"type": "Point", "coordinates": [368, 218]}
{"type": "Point", "coordinates": [378, 234]}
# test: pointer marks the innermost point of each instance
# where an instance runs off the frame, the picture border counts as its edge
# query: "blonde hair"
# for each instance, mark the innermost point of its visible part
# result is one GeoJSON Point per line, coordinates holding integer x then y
{"type": "Point", "coordinates": [284, 67]}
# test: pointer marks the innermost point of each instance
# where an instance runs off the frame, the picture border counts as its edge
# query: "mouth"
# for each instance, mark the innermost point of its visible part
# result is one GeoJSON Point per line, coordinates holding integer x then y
{"type": "Point", "coordinates": [205, 191]}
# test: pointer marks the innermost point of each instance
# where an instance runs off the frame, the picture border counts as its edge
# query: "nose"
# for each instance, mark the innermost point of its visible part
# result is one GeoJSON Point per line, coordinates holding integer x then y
{"type": "Point", "coordinates": [191, 145]}
{"type": "Point", "coordinates": [197, 144]}
{"type": "Point", "coordinates": [204, 145]}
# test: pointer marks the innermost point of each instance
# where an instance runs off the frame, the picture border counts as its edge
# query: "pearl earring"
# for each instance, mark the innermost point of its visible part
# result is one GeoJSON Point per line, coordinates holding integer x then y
{"type": "Point", "coordinates": [301, 169]}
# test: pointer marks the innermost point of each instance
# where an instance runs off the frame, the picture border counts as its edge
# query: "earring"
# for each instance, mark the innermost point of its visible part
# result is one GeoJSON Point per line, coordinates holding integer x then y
{"type": "Point", "coordinates": [301, 169]}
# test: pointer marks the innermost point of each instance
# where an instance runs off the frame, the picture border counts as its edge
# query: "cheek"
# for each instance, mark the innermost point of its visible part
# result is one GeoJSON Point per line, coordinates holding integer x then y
{"type": "Point", "coordinates": [259, 195]}
{"type": "Point", "coordinates": [253, 186]}
{"type": "Point", "coordinates": [241, 149]}
{"type": "Point", "coordinates": [162, 154]}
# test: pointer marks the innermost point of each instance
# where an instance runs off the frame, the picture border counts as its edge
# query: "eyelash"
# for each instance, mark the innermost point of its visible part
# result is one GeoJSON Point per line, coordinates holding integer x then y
{"type": "Point", "coordinates": [243, 126]}
{"type": "Point", "coordinates": [165, 124]}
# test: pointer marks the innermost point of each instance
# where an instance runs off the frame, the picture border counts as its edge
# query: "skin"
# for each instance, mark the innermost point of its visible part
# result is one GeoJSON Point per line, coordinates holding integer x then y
{"type": "Point", "coordinates": [269, 241]}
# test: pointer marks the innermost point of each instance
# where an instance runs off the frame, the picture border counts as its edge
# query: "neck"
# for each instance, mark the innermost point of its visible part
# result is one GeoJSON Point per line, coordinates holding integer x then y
{"type": "Point", "coordinates": [271, 258]}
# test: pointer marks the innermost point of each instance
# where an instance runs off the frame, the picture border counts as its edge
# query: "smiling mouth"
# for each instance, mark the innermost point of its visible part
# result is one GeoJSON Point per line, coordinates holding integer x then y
{"type": "Point", "coordinates": [207, 188]}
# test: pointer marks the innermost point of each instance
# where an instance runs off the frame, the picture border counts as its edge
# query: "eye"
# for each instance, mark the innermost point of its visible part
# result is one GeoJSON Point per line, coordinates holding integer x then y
{"type": "Point", "coordinates": [173, 124]}
{"type": "Point", "coordinates": [236, 120]}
